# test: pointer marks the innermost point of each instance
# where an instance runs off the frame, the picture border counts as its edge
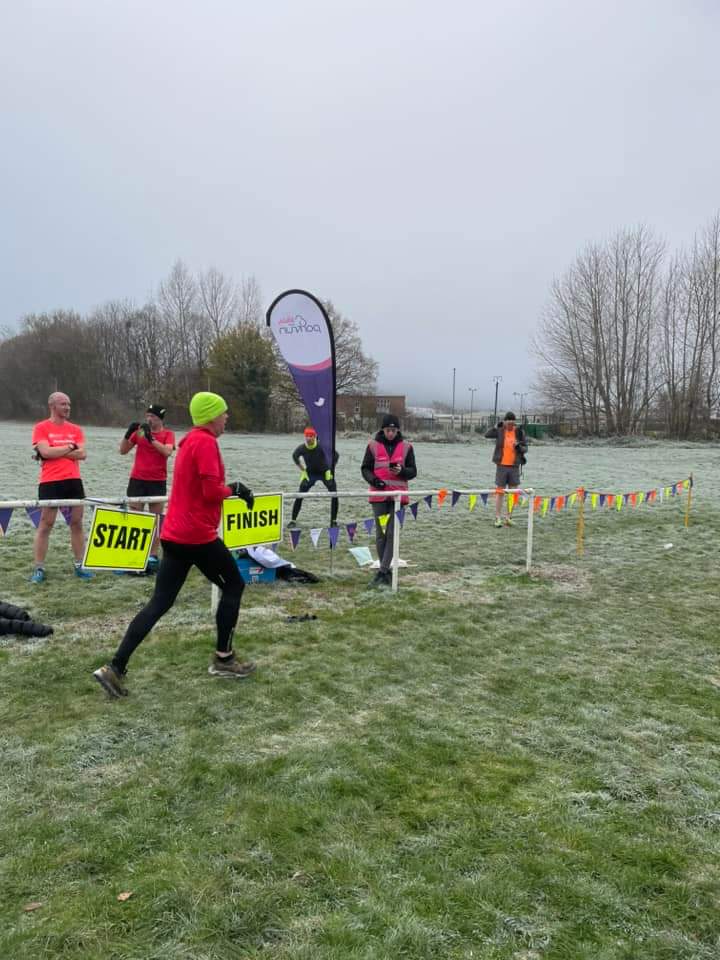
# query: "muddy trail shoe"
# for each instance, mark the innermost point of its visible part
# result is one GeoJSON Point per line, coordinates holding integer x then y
{"type": "Point", "coordinates": [111, 681]}
{"type": "Point", "coordinates": [231, 668]}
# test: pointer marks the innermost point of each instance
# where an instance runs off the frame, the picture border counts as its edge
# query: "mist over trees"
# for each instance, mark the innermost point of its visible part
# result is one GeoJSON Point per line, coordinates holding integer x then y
{"type": "Point", "coordinates": [198, 332]}
{"type": "Point", "coordinates": [630, 337]}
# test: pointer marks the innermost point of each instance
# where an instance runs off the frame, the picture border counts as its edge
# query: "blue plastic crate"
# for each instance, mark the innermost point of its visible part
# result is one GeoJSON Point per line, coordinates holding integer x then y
{"type": "Point", "coordinates": [253, 572]}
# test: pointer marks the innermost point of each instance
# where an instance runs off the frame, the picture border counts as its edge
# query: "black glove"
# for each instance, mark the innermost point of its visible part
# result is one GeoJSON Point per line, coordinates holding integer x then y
{"type": "Point", "coordinates": [147, 432]}
{"type": "Point", "coordinates": [500, 423]}
{"type": "Point", "coordinates": [131, 429]}
{"type": "Point", "coordinates": [378, 483]}
{"type": "Point", "coordinates": [245, 493]}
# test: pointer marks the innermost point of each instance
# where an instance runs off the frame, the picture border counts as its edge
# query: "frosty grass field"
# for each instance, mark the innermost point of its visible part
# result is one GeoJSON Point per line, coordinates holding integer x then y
{"type": "Point", "coordinates": [490, 765]}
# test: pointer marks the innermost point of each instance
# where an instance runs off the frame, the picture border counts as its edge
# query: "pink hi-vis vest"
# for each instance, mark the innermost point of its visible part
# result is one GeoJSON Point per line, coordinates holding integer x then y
{"type": "Point", "coordinates": [382, 470]}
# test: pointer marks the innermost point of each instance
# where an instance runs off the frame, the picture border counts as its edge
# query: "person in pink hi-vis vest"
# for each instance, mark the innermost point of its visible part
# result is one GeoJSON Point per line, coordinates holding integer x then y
{"type": "Point", "coordinates": [388, 465]}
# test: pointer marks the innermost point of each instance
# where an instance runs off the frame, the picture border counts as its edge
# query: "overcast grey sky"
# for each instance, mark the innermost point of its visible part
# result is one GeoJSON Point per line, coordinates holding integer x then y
{"type": "Point", "coordinates": [428, 167]}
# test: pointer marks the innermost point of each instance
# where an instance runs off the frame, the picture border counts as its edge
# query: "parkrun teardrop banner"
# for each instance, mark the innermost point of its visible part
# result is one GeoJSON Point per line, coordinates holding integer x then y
{"type": "Point", "coordinates": [303, 332]}
{"type": "Point", "coordinates": [119, 539]}
{"type": "Point", "coordinates": [242, 527]}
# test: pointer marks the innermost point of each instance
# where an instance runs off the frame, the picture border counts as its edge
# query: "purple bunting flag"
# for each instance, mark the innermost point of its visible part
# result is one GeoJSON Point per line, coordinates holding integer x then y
{"type": "Point", "coordinates": [369, 524]}
{"type": "Point", "coordinates": [414, 509]}
{"type": "Point", "coordinates": [400, 514]}
{"type": "Point", "coordinates": [455, 497]}
{"type": "Point", "coordinates": [34, 515]}
{"type": "Point", "coordinates": [5, 515]}
{"type": "Point", "coordinates": [351, 531]}
{"type": "Point", "coordinates": [602, 499]}
{"type": "Point", "coordinates": [67, 514]}
{"type": "Point", "coordinates": [333, 536]}
{"type": "Point", "coordinates": [295, 538]}
{"type": "Point", "coordinates": [428, 501]}
{"type": "Point", "coordinates": [483, 497]}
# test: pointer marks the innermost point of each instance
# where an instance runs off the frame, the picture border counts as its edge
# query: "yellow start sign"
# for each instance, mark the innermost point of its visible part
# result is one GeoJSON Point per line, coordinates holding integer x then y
{"type": "Point", "coordinates": [119, 539]}
{"type": "Point", "coordinates": [245, 528]}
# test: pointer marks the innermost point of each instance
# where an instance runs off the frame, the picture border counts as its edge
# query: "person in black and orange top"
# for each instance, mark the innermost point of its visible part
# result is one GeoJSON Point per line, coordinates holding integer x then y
{"type": "Point", "coordinates": [508, 457]}
{"type": "Point", "coordinates": [190, 539]}
{"type": "Point", "coordinates": [154, 446]}
{"type": "Point", "coordinates": [314, 468]}
{"type": "Point", "coordinates": [388, 464]}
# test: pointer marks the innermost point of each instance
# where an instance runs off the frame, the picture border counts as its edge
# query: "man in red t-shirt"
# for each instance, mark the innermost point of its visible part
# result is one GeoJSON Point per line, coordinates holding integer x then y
{"type": "Point", "coordinates": [153, 445]}
{"type": "Point", "coordinates": [59, 446]}
{"type": "Point", "coordinates": [190, 539]}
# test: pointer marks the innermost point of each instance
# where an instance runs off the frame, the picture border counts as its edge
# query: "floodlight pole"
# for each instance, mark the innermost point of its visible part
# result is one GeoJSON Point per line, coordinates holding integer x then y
{"type": "Point", "coordinates": [472, 391]}
{"type": "Point", "coordinates": [452, 421]}
{"type": "Point", "coordinates": [496, 381]}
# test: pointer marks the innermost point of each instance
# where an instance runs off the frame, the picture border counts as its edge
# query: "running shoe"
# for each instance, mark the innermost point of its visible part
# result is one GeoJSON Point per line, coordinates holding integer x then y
{"type": "Point", "coordinates": [38, 575]}
{"type": "Point", "coordinates": [82, 574]}
{"type": "Point", "coordinates": [508, 522]}
{"type": "Point", "coordinates": [110, 680]}
{"type": "Point", "coordinates": [498, 522]}
{"type": "Point", "coordinates": [153, 563]}
{"type": "Point", "coordinates": [230, 667]}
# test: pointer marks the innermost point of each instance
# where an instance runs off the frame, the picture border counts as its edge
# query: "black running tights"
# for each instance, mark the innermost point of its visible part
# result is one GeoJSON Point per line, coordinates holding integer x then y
{"type": "Point", "coordinates": [215, 561]}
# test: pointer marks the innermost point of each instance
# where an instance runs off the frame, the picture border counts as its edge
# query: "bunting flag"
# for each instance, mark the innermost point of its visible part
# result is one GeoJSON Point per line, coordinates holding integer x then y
{"type": "Point", "coordinates": [428, 501]}
{"type": "Point", "coordinates": [34, 514]}
{"type": "Point", "coordinates": [67, 514]}
{"type": "Point", "coordinates": [619, 501]}
{"type": "Point", "coordinates": [559, 502]}
{"type": "Point", "coordinates": [414, 509]}
{"type": "Point", "coordinates": [304, 336]}
{"type": "Point", "coordinates": [537, 501]}
{"type": "Point", "coordinates": [333, 536]}
{"type": "Point", "coordinates": [369, 524]}
{"type": "Point", "coordinates": [572, 500]}
{"type": "Point", "coordinates": [383, 520]}
{"type": "Point", "coordinates": [315, 535]}
{"type": "Point", "coordinates": [455, 497]}
{"type": "Point", "coordinates": [483, 497]}
{"type": "Point", "coordinates": [546, 505]}
{"type": "Point", "coordinates": [441, 496]}
{"type": "Point", "coordinates": [594, 497]}
{"type": "Point", "coordinates": [5, 515]}
{"type": "Point", "coordinates": [351, 531]}
{"type": "Point", "coordinates": [400, 514]}
{"type": "Point", "coordinates": [633, 499]}
{"type": "Point", "coordinates": [295, 538]}
{"type": "Point", "coordinates": [472, 500]}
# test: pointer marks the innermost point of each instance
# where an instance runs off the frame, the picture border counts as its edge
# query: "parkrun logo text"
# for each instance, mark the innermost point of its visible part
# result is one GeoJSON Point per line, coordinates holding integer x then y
{"type": "Point", "coordinates": [297, 324]}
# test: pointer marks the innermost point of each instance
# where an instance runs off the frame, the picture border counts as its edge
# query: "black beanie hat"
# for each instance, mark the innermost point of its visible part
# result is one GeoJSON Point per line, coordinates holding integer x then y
{"type": "Point", "coordinates": [390, 420]}
{"type": "Point", "coordinates": [157, 410]}
{"type": "Point", "coordinates": [510, 415]}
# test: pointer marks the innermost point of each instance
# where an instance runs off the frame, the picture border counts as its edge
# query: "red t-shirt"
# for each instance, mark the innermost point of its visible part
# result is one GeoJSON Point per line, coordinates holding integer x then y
{"type": "Point", "coordinates": [58, 435]}
{"type": "Point", "coordinates": [198, 490]}
{"type": "Point", "coordinates": [150, 464]}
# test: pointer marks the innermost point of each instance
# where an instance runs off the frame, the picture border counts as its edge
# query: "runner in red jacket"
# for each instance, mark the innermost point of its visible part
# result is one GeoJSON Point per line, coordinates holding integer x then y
{"type": "Point", "coordinates": [190, 538]}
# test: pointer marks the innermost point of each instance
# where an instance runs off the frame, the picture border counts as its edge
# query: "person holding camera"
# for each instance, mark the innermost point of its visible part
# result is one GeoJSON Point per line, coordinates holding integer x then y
{"type": "Point", "coordinates": [59, 446]}
{"type": "Point", "coordinates": [388, 465]}
{"type": "Point", "coordinates": [190, 539]}
{"type": "Point", "coordinates": [508, 457]}
{"type": "Point", "coordinates": [154, 445]}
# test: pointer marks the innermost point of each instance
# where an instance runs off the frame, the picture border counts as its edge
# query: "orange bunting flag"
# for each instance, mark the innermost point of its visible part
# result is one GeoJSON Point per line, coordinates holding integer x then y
{"type": "Point", "coordinates": [441, 496]}
{"type": "Point", "coordinates": [633, 499]}
{"type": "Point", "coordinates": [536, 504]}
{"type": "Point", "coordinates": [559, 502]}
{"type": "Point", "coordinates": [610, 499]}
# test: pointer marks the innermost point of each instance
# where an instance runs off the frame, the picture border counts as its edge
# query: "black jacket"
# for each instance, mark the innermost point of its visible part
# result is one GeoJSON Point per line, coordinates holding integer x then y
{"type": "Point", "coordinates": [498, 435]}
{"type": "Point", "coordinates": [315, 461]}
{"type": "Point", "coordinates": [408, 472]}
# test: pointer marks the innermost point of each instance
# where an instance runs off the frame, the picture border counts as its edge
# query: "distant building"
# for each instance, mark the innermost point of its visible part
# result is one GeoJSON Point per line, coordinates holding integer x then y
{"type": "Point", "coordinates": [362, 411]}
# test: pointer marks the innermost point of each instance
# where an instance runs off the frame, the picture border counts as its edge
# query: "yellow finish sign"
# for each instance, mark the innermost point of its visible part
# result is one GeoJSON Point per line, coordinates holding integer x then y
{"type": "Point", "coordinates": [119, 539]}
{"type": "Point", "coordinates": [246, 528]}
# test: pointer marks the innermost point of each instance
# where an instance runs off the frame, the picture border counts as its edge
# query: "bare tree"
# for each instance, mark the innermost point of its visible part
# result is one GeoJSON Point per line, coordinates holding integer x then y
{"type": "Point", "coordinates": [250, 302]}
{"type": "Point", "coordinates": [219, 300]}
{"type": "Point", "coordinates": [178, 301]}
